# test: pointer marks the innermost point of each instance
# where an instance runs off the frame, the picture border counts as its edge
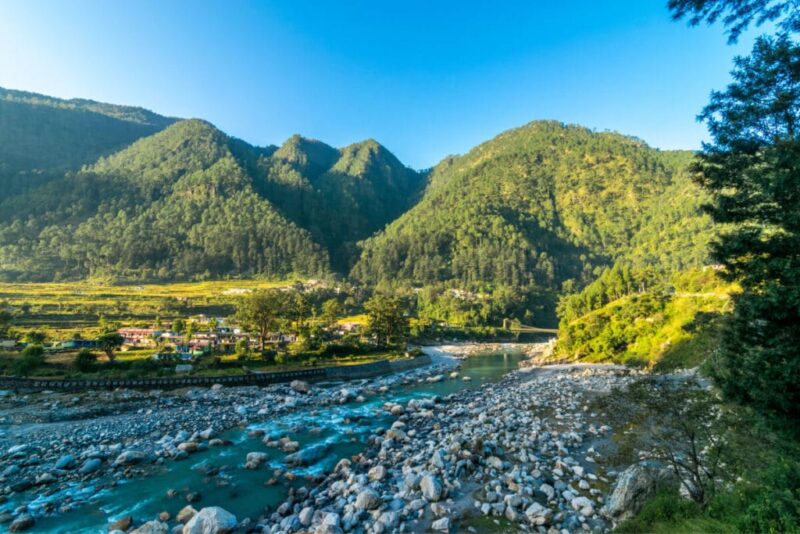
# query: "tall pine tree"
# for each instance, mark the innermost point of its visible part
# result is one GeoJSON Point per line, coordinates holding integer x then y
{"type": "Point", "coordinates": [752, 170]}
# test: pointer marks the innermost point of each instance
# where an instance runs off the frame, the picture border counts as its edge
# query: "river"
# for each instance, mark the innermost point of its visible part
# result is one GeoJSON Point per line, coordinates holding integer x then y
{"type": "Point", "coordinates": [219, 476]}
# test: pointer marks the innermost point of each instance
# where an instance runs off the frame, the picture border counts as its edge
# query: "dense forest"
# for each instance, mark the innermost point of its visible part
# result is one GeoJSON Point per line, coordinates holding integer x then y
{"type": "Point", "coordinates": [180, 200]}
{"type": "Point", "coordinates": [96, 190]}
{"type": "Point", "coordinates": [41, 137]}
{"type": "Point", "coordinates": [543, 209]}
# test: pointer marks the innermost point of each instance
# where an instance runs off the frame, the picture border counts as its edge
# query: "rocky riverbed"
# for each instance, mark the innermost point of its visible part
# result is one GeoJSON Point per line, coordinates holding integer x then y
{"type": "Point", "coordinates": [520, 452]}
{"type": "Point", "coordinates": [56, 444]}
{"type": "Point", "coordinates": [524, 452]}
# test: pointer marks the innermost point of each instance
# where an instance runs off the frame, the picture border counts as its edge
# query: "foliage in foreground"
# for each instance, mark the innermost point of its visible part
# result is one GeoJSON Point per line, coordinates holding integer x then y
{"type": "Point", "coordinates": [767, 501]}
{"type": "Point", "coordinates": [740, 470]}
{"type": "Point", "coordinates": [752, 171]}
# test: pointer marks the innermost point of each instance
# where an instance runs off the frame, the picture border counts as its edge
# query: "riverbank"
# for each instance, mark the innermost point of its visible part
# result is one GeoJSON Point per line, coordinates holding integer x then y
{"type": "Point", "coordinates": [522, 452]}
{"type": "Point", "coordinates": [465, 350]}
{"type": "Point", "coordinates": [452, 420]}
{"type": "Point", "coordinates": [63, 448]}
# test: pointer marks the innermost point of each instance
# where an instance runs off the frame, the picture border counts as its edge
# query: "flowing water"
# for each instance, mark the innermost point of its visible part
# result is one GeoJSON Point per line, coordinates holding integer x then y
{"type": "Point", "coordinates": [218, 473]}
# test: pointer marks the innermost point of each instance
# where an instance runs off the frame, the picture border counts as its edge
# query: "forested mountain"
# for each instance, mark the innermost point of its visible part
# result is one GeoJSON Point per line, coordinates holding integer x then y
{"type": "Point", "coordinates": [542, 208]}
{"type": "Point", "coordinates": [178, 204]}
{"type": "Point", "coordinates": [341, 196]}
{"type": "Point", "coordinates": [539, 211]}
{"type": "Point", "coordinates": [42, 136]}
{"type": "Point", "coordinates": [186, 202]}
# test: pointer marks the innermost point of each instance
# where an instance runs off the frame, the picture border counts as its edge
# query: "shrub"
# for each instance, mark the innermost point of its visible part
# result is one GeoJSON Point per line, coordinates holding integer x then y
{"type": "Point", "coordinates": [774, 505]}
{"type": "Point", "coordinates": [85, 360]}
{"type": "Point", "coordinates": [145, 365]}
{"type": "Point", "coordinates": [667, 506]}
{"type": "Point", "coordinates": [31, 358]}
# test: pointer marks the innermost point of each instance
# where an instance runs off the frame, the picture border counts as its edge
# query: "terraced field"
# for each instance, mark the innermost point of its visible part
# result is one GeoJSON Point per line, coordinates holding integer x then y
{"type": "Point", "coordinates": [62, 309]}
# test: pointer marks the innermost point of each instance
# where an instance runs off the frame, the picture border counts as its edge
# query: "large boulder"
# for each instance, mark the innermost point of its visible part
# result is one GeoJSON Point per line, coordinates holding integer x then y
{"type": "Point", "coordinates": [300, 386]}
{"type": "Point", "coordinates": [152, 527]}
{"type": "Point", "coordinates": [129, 457]}
{"type": "Point", "coordinates": [368, 500]}
{"type": "Point", "coordinates": [431, 488]}
{"type": "Point", "coordinates": [308, 456]}
{"type": "Point", "coordinates": [211, 520]}
{"type": "Point", "coordinates": [632, 490]}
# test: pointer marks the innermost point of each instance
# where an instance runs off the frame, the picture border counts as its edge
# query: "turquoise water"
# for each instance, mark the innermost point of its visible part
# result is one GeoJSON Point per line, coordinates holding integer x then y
{"type": "Point", "coordinates": [218, 474]}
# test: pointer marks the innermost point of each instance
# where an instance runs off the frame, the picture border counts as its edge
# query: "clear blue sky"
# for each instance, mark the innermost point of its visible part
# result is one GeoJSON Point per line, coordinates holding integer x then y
{"type": "Point", "coordinates": [425, 78]}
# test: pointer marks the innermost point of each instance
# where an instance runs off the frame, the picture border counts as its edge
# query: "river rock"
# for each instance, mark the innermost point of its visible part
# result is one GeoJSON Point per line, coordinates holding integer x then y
{"type": "Point", "coordinates": [442, 525]}
{"type": "Point", "coordinates": [255, 459]}
{"type": "Point", "coordinates": [18, 451]}
{"type": "Point", "coordinates": [22, 523]}
{"type": "Point", "coordinates": [347, 394]}
{"type": "Point", "coordinates": [65, 462]}
{"type": "Point", "coordinates": [305, 516]}
{"type": "Point", "coordinates": [368, 499]}
{"type": "Point", "coordinates": [377, 473]}
{"type": "Point", "coordinates": [538, 514]}
{"type": "Point", "coordinates": [185, 514]}
{"type": "Point", "coordinates": [21, 485]}
{"type": "Point", "coordinates": [90, 466]}
{"type": "Point", "coordinates": [211, 520]}
{"type": "Point", "coordinates": [300, 386]}
{"type": "Point", "coordinates": [291, 446]}
{"type": "Point", "coordinates": [494, 462]}
{"type": "Point", "coordinates": [188, 446]}
{"type": "Point", "coordinates": [123, 524]}
{"type": "Point", "coordinates": [330, 524]}
{"type": "Point", "coordinates": [633, 488]}
{"type": "Point", "coordinates": [307, 456]}
{"type": "Point", "coordinates": [152, 527]}
{"type": "Point", "coordinates": [10, 471]}
{"type": "Point", "coordinates": [583, 505]}
{"type": "Point", "coordinates": [431, 488]}
{"type": "Point", "coordinates": [129, 457]}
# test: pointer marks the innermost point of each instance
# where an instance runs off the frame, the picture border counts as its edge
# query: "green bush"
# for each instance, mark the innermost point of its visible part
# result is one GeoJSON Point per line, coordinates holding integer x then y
{"type": "Point", "coordinates": [667, 506]}
{"type": "Point", "coordinates": [773, 505]}
{"type": "Point", "coordinates": [85, 361]}
{"type": "Point", "coordinates": [31, 358]}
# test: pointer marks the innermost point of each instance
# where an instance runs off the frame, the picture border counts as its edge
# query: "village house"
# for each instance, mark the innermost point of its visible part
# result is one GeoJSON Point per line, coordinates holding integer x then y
{"type": "Point", "coordinates": [139, 337]}
{"type": "Point", "coordinates": [277, 338]}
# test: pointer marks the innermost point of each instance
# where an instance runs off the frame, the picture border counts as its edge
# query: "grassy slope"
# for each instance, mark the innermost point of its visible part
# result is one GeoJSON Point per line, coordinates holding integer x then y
{"type": "Point", "coordinates": [661, 331]}
{"type": "Point", "coordinates": [62, 309]}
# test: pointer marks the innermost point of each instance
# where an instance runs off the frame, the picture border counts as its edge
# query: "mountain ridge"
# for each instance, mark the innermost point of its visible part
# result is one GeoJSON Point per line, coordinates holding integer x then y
{"type": "Point", "coordinates": [539, 210]}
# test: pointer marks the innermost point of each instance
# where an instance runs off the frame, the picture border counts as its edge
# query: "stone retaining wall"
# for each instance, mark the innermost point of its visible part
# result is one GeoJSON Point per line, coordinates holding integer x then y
{"type": "Point", "coordinates": [337, 372]}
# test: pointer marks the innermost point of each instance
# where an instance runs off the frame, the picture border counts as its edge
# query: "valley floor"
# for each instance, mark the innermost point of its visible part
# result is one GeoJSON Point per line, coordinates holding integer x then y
{"type": "Point", "coordinates": [522, 450]}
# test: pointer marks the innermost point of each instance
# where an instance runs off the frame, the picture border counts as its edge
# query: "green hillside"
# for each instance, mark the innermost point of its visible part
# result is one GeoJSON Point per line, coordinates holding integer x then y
{"type": "Point", "coordinates": [541, 211]}
{"type": "Point", "coordinates": [175, 205]}
{"type": "Point", "coordinates": [643, 318]}
{"type": "Point", "coordinates": [341, 196]}
{"type": "Point", "coordinates": [42, 136]}
{"type": "Point", "coordinates": [542, 208]}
